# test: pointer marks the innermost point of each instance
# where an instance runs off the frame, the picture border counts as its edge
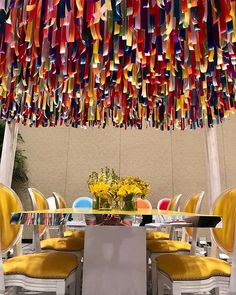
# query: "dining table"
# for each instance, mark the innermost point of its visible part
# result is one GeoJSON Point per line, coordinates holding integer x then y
{"type": "Point", "coordinates": [115, 260]}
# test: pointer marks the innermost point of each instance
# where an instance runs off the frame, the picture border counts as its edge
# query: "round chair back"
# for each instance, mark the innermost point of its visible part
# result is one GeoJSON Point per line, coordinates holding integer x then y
{"type": "Point", "coordinates": [39, 202]}
{"type": "Point", "coordinates": [60, 201]}
{"type": "Point", "coordinates": [10, 233]}
{"type": "Point", "coordinates": [52, 203]}
{"type": "Point", "coordinates": [143, 204]}
{"type": "Point", "coordinates": [163, 203]}
{"type": "Point", "coordinates": [193, 205]}
{"type": "Point", "coordinates": [174, 203]}
{"type": "Point", "coordinates": [83, 202]}
{"type": "Point", "coordinates": [225, 206]}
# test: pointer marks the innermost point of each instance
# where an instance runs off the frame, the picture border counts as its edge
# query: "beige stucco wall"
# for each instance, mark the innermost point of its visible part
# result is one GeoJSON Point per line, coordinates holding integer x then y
{"type": "Point", "coordinates": [60, 159]}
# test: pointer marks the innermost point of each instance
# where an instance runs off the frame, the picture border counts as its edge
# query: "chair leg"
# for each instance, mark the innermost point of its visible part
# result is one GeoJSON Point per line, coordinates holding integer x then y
{"type": "Point", "coordinates": [217, 291]}
{"type": "Point", "coordinates": [78, 280]}
{"type": "Point", "coordinates": [72, 288]}
{"type": "Point", "coordinates": [154, 276]}
{"type": "Point", "coordinates": [148, 272]}
{"type": "Point", "coordinates": [160, 287]}
{"type": "Point", "coordinates": [12, 291]}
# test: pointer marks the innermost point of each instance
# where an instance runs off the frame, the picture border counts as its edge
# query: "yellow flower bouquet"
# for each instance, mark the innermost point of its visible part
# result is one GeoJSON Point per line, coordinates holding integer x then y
{"type": "Point", "coordinates": [130, 189]}
{"type": "Point", "coordinates": [127, 194]}
{"type": "Point", "coordinates": [139, 183]}
{"type": "Point", "coordinates": [99, 184]}
{"type": "Point", "coordinates": [100, 189]}
{"type": "Point", "coordinates": [110, 190]}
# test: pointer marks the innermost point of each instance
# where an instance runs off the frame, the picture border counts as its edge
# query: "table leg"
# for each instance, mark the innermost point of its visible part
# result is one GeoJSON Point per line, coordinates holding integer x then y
{"type": "Point", "coordinates": [114, 261]}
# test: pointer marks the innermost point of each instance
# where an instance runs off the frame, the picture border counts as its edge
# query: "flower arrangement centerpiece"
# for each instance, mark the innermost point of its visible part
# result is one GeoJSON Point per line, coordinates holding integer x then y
{"type": "Point", "coordinates": [111, 191]}
{"type": "Point", "coordinates": [99, 184]}
{"type": "Point", "coordinates": [129, 189]}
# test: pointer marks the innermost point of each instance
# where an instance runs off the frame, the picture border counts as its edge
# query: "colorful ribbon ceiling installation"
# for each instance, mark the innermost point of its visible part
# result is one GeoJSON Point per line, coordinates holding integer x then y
{"type": "Point", "coordinates": [164, 63]}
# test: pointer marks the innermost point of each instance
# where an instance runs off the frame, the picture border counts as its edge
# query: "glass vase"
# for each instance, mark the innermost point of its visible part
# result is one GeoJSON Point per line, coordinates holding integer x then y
{"type": "Point", "coordinates": [104, 204]}
{"type": "Point", "coordinates": [96, 202]}
{"type": "Point", "coordinates": [129, 203]}
{"type": "Point", "coordinates": [116, 205]}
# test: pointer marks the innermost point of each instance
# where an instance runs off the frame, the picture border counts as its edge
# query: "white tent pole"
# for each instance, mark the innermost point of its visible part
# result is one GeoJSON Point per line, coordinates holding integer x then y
{"type": "Point", "coordinates": [8, 153]}
{"type": "Point", "coordinates": [213, 167]}
{"type": "Point", "coordinates": [215, 190]}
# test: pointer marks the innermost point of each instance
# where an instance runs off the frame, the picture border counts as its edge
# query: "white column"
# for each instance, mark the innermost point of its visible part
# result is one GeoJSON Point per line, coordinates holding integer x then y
{"type": "Point", "coordinates": [213, 171]}
{"type": "Point", "coordinates": [8, 153]}
{"type": "Point", "coordinates": [213, 165]}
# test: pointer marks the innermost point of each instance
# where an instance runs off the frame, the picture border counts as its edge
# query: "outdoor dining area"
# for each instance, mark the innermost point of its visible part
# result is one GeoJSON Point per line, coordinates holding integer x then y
{"type": "Point", "coordinates": [136, 259]}
{"type": "Point", "coordinates": [117, 147]}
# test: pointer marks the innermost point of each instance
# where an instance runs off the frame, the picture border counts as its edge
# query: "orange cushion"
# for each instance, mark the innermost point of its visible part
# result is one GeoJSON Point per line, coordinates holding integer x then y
{"type": "Point", "coordinates": [187, 267]}
{"type": "Point", "coordinates": [157, 235]}
{"type": "Point", "coordinates": [42, 265]}
{"type": "Point", "coordinates": [162, 246]}
{"type": "Point", "coordinates": [63, 244]}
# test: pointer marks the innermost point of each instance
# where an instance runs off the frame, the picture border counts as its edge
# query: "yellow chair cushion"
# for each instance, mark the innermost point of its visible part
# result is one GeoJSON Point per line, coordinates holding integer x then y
{"type": "Point", "coordinates": [162, 246]}
{"type": "Point", "coordinates": [42, 265]}
{"type": "Point", "coordinates": [157, 235]}
{"type": "Point", "coordinates": [75, 234]}
{"type": "Point", "coordinates": [62, 244]}
{"type": "Point", "coordinates": [188, 268]}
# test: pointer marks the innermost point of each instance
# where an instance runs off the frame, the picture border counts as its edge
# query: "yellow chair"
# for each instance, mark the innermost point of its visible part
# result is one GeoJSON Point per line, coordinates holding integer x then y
{"type": "Point", "coordinates": [174, 203]}
{"type": "Point", "coordinates": [56, 201]}
{"type": "Point", "coordinates": [60, 204]}
{"type": "Point", "coordinates": [59, 200]}
{"type": "Point", "coordinates": [39, 202]}
{"type": "Point", "coordinates": [72, 244]}
{"type": "Point", "coordinates": [198, 274]}
{"type": "Point", "coordinates": [45, 272]}
{"type": "Point", "coordinates": [158, 247]}
{"type": "Point", "coordinates": [161, 235]}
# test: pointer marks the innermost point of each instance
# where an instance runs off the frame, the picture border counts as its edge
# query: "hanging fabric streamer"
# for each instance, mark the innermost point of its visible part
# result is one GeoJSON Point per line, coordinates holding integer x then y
{"type": "Point", "coordinates": [166, 64]}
